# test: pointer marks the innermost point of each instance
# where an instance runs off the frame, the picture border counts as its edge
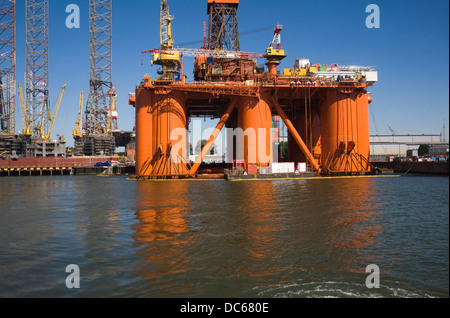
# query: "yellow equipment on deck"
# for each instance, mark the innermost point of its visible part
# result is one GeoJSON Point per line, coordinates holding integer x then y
{"type": "Point", "coordinates": [77, 132]}
{"type": "Point", "coordinates": [169, 60]}
{"type": "Point", "coordinates": [53, 118]}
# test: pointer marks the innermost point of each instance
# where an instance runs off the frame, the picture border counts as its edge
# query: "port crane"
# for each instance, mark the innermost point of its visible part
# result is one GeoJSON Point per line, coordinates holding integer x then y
{"type": "Point", "coordinates": [112, 114]}
{"type": "Point", "coordinates": [27, 119]}
{"type": "Point", "coordinates": [391, 130]}
{"type": "Point", "coordinates": [77, 132]}
{"type": "Point", "coordinates": [55, 113]}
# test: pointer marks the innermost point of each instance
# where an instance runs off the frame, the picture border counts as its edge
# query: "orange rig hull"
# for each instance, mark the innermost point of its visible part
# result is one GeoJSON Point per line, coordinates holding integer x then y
{"type": "Point", "coordinates": [328, 126]}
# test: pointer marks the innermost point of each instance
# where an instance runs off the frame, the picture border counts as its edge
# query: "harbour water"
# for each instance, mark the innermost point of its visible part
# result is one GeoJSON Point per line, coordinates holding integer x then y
{"type": "Point", "coordinates": [252, 239]}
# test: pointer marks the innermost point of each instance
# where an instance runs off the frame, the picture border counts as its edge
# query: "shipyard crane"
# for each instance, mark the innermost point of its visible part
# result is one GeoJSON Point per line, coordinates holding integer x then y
{"type": "Point", "coordinates": [55, 113]}
{"type": "Point", "coordinates": [112, 114]}
{"type": "Point", "coordinates": [77, 132]}
{"type": "Point", "coordinates": [27, 121]}
{"type": "Point", "coordinates": [392, 130]}
{"type": "Point", "coordinates": [168, 58]}
{"type": "Point", "coordinates": [443, 130]}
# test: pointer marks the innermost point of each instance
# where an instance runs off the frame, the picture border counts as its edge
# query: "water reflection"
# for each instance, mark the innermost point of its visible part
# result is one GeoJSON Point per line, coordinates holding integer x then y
{"type": "Point", "coordinates": [219, 235]}
{"type": "Point", "coordinates": [290, 238]}
{"type": "Point", "coordinates": [257, 225]}
{"type": "Point", "coordinates": [257, 220]}
{"type": "Point", "coordinates": [356, 223]}
{"type": "Point", "coordinates": [339, 232]}
{"type": "Point", "coordinates": [162, 228]}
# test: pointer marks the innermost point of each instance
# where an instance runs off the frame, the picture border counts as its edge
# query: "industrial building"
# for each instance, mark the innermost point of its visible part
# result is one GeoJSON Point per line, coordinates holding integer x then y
{"type": "Point", "coordinates": [400, 146]}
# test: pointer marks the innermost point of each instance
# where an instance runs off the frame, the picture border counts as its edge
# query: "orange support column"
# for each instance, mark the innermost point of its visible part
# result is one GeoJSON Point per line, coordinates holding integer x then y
{"type": "Point", "coordinates": [144, 148]}
{"type": "Point", "coordinates": [255, 119]}
{"type": "Point", "coordinates": [317, 135]}
{"type": "Point", "coordinates": [345, 132]}
{"type": "Point", "coordinates": [169, 129]}
{"type": "Point", "coordinates": [329, 124]}
{"type": "Point", "coordinates": [362, 112]}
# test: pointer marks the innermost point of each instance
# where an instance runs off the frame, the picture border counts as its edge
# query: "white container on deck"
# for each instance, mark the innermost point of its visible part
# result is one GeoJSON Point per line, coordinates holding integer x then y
{"type": "Point", "coordinates": [301, 167]}
{"type": "Point", "coordinates": [283, 167]}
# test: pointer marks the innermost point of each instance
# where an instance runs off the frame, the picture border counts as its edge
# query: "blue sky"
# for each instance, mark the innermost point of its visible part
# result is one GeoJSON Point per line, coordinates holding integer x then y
{"type": "Point", "coordinates": [410, 50]}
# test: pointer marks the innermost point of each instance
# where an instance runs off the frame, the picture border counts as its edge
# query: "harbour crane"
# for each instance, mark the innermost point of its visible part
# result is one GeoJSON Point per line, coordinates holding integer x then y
{"type": "Point", "coordinates": [112, 116]}
{"type": "Point", "coordinates": [392, 130]}
{"type": "Point", "coordinates": [77, 132]}
{"type": "Point", "coordinates": [27, 121]}
{"type": "Point", "coordinates": [55, 113]}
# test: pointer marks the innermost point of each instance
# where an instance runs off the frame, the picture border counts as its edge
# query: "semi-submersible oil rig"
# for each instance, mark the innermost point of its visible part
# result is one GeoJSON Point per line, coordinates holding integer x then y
{"type": "Point", "coordinates": [324, 107]}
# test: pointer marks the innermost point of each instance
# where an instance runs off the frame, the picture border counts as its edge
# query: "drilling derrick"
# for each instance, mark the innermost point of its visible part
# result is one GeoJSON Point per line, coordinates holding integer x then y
{"type": "Point", "coordinates": [223, 25]}
{"type": "Point", "coordinates": [7, 66]}
{"type": "Point", "coordinates": [37, 75]}
{"type": "Point", "coordinates": [98, 138]}
{"type": "Point", "coordinates": [223, 36]}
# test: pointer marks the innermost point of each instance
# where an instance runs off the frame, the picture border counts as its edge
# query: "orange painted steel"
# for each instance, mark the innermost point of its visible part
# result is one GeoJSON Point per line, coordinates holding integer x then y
{"type": "Point", "coordinates": [317, 136]}
{"type": "Point", "coordinates": [160, 132]}
{"type": "Point", "coordinates": [222, 89]}
{"type": "Point", "coordinates": [332, 132]}
{"type": "Point", "coordinates": [255, 120]}
{"type": "Point", "coordinates": [362, 118]}
{"type": "Point", "coordinates": [272, 67]}
{"type": "Point", "coordinates": [158, 219]}
{"type": "Point", "coordinates": [295, 134]}
{"type": "Point", "coordinates": [144, 146]}
{"type": "Point", "coordinates": [328, 115]}
{"type": "Point", "coordinates": [333, 137]}
{"type": "Point", "coordinates": [168, 115]}
{"type": "Point", "coordinates": [345, 132]}
{"type": "Point", "coordinates": [213, 136]}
